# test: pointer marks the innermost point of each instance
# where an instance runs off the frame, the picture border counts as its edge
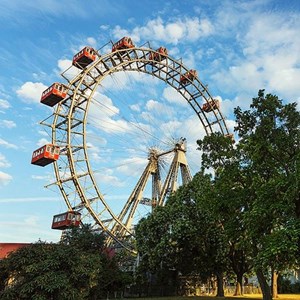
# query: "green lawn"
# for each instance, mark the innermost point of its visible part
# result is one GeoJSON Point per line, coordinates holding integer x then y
{"type": "Point", "coordinates": [250, 297]}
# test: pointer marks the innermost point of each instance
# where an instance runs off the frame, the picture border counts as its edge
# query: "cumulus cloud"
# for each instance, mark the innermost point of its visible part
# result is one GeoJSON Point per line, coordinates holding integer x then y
{"type": "Point", "coordinates": [172, 32]}
{"type": "Point", "coordinates": [41, 142]}
{"type": "Point", "coordinates": [7, 144]}
{"type": "Point", "coordinates": [159, 108]}
{"type": "Point", "coordinates": [7, 124]}
{"type": "Point", "coordinates": [4, 104]}
{"type": "Point", "coordinates": [30, 92]}
{"type": "Point", "coordinates": [105, 116]}
{"type": "Point", "coordinates": [135, 107]}
{"type": "Point", "coordinates": [106, 177]}
{"type": "Point", "coordinates": [65, 67]}
{"type": "Point", "coordinates": [64, 64]}
{"type": "Point", "coordinates": [5, 178]}
{"type": "Point", "coordinates": [266, 54]}
{"type": "Point", "coordinates": [39, 177]}
{"type": "Point", "coordinates": [91, 42]}
{"type": "Point", "coordinates": [94, 151]}
{"type": "Point", "coordinates": [172, 96]}
{"type": "Point", "coordinates": [3, 162]}
{"type": "Point", "coordinates": [132, 166]}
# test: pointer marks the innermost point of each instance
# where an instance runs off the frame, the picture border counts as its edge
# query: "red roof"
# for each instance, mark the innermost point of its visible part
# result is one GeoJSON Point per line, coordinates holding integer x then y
{"type": "Point", "coordinates": [6, 248]}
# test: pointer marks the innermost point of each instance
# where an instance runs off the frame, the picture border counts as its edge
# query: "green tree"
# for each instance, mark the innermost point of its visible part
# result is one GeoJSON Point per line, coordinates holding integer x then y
{"type": "Point", "coordinates": [227, 202]}
{"type": "Point", "coordinates": [264, 169]}
{"type": "Point", "coordinates": [76, 268]}
{"type": "Point", "coordinates": [183, 236]}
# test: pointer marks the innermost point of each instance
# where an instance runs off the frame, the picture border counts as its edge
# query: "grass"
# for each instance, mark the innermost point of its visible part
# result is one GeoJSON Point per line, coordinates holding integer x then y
{"type": "Point", "coordinates": [250, 297]}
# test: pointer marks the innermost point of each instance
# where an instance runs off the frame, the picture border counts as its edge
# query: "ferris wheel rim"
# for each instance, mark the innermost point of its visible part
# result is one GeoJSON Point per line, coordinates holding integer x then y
{"type": "Point", "coordinates": [76, 84]}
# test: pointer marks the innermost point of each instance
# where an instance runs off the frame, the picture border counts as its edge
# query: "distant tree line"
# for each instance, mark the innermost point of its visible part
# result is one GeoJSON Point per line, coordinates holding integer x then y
{"type": "Point", "coordinates": [240, 219]}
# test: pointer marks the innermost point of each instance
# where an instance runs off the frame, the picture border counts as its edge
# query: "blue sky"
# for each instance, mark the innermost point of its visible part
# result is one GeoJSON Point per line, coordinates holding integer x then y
{"type": "Point", "coordinates": [237, 47]}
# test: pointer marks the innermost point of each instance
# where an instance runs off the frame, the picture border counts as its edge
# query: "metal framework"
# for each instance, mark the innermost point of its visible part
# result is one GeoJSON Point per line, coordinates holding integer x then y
{"type": "Point", "coordinates": [74, 175]}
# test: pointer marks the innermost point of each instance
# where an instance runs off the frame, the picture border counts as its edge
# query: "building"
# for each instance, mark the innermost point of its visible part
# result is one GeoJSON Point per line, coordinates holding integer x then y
{"type": "Point", "coordinates": [6, 248]}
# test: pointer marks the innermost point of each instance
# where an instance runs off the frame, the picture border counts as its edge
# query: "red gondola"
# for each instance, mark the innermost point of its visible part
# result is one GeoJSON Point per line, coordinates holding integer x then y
{"type": "Point", "coordinates": [159, 55]}
{"type": "Point", "coordinates": [54, 94]}
{"type": "Point", "coordinates": [45, 155]}
{"type": "Point", "coordinates": [188, 76]}
{"type": "Point", "coordinates": [211, 105]}
{"type": "Point", "coordinates": [84, 57]}
{"type": "Point", "coordinates": [124, 43]}
{"type": "Point", "coordinates": [66, 220]}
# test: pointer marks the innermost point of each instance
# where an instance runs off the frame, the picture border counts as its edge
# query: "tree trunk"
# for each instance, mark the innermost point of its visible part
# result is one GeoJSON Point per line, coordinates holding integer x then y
{"type": "Point", "coordinates": [274, 284]}
{"type": "Point", "coordinates": [264, 285]}
{"type": "Point", "coordinates": [239, 285]}
{"type": "Point", "coordinates": [220, 284]}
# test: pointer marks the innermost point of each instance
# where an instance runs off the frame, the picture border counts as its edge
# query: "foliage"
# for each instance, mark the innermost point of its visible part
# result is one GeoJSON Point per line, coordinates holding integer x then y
{"type": "Point", "coordinates": [182, 236]}
{"type": "Point", "coordinates": [247, 212]}
{"type": "Point", "coordinates": [76, 268]}
{"type": "Point", "coordinates": [259, 177]}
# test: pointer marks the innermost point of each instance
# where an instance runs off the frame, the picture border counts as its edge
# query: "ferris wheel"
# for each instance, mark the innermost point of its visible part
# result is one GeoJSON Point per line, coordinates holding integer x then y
{"type": "Point", "coordinates": [85, 114]}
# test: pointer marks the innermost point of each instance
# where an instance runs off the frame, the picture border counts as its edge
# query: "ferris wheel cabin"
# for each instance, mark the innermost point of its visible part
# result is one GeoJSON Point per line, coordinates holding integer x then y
{"type": "Point", "coordinates": [54, 94]}
{"type": "Point", "coordinates": [66, 220]}
{"type": "Point", "coordinates": [159, 55]}
{"type": "Point", "coordinates": [45, 155]}
{"type": "Point", "coordinates": [211, 105]}
{"type": "Point", "coordinates": [187, 77]}
{"type": "Point", "coordinates": [84, 57]}
{"type": "Point", "coordinates": [123, 43]}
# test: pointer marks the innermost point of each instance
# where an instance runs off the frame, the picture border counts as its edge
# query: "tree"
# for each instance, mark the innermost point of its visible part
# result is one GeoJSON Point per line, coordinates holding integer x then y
{"type": "Point", "coordinates": [227, 203]}
{"type": "Point", "coordinates": [76, 268]}
{"type": "Point", "coordinates": [184, 236]}
{"type": "Point", "coordinates": [264, 169]}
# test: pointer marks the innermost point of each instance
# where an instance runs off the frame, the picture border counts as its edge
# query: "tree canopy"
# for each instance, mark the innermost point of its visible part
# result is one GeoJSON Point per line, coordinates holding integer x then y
{"type": "Point", "coordinates": [76, 268]}
{"type": "Point", "coordinates": [246, 214]}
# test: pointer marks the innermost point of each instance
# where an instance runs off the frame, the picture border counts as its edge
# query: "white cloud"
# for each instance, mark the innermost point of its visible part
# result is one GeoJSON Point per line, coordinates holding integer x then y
{"type": "Point", "coordinates": [30, 92]}
{"type": "Point", "coordinates": [7, 124]}
{"type": "Point", "coordinates": [41, 142]}
{"type": "Point", "coordinates": [106, 177]}
{"type": "Point", "coordinates": [92, 42]}
{"type": "Point", "coordinates": [104, 27]}
{"type": "Point", "coordinates": [31, 221]}
{"type": "Point", "coordinates": [28, 200]}
{"type": "Point", "coordinates": [39, 177]}
{"type": "Point", "coordinates": [66, 68]}
{"type": "Point", "coordinates": [158, 108]}
{"type": "Point", "coordinates": [135, 107]}
{"type": "Point", "coordinates": [171, 126]}
{"type": "Point", "coordinates": [3, 162]}
{"type": "Point", "coordinates": [173, 32]}
{"type": "Point", "coordinates": [7, 144]}
{"type": "Point", "coordinates": [266, 53]}
{"type": "Point", "coordinates": [94, 151]}
{"type": "Point", "coordinates": [132, 166]}
{"type": "Point", "coordinates": [4, 104]}
{"type": "Point", "coordinates": [5, 178]}
{"type": "Point", "coordinates": [43, 133]}
{"type": "Point", "coordinates": [64, 64]}
{"type": "Point", "coordinates": [172, 96]}
{"type": "Point", "coordinates": [104, 115]}
{"type": "Point", "coordinates": [231, 124]}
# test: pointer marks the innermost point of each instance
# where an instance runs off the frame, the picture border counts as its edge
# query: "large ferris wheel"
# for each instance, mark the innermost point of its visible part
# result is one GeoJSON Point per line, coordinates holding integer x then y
{"type": "Point", "coordinates": [87, 113]}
